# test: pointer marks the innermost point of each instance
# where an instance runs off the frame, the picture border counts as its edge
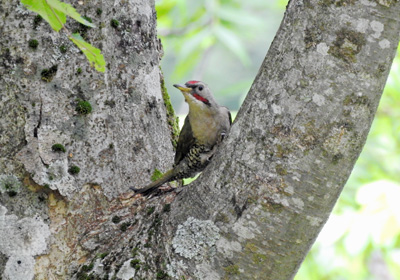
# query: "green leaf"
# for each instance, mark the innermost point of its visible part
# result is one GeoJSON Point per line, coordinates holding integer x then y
{"type": "Point", "coordinates": [232, 42]}
{"type": "Point", "coordinates": [239, 16]}
{"type": "Point", "coordinates": [55, 18]}
{"type": "Point", "coordinates": [193, 43]}
{"type": "Point", "coordinates": [55, 12]}
{"type": "Point", "coordinates": [92, 54]}
{"type": "Point", "coordinates": [70, 11]}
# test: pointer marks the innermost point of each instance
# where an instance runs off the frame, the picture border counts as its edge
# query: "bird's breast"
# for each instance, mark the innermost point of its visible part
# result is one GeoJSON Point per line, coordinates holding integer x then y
{"type": "Point", "coordinates": [205, 127]}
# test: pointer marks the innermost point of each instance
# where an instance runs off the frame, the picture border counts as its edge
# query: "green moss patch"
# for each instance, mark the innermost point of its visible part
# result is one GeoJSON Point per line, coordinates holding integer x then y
{"type": "Point", "coordinates": [116, 219]}
{"type": "Point", "coordinates": [33, 44]}
{"type": "Point", "coordinates": [232, 270]}
{"type": "Point", "coordinates": [347, 45]}
{"type": "Point", "coordinates": [167, 208]}
{"type": "Point", "coordinates": [83, 107]}
{"type": "Point", "coordinates": [135, 264]}
{"type": "Point", "coordinates": [114, 23]}
{"type": "Point", "coordinates": [74, 170]}
{"type": "Point", "coordinates": [173, 121]}
{"type": "Point", "coordinates": [48, 74]}
{"type": "Point", "coordinates": [63, 48]}
{"type": "Point", "coordinates": [58, 148]}
{"type": "Point", "coordinates": [161, 275]}
{"type": "Point", "coordinates": [157, 174]}
{"type": "Point", "coordinates": [36, 21]}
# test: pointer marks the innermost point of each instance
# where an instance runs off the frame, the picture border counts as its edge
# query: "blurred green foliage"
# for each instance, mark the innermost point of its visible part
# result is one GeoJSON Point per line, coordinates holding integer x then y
{"type": "Point", "coordinates": [223, 43]}
{"type": "Point", "coordinates": [217, 41]}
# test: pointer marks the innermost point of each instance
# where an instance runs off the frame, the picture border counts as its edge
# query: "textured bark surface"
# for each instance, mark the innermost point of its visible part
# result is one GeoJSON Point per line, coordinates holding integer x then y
{"type": "Point", "coordinates": [116, 146]}
{"type": "Point", "coordinates": [252, 214]}
{"type": "Point", "coordinates": [295, 139]}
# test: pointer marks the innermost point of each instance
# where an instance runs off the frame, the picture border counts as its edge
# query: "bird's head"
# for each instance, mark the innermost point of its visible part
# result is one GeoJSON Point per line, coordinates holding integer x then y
{"type": "Point", "coordinates": [196, 93]}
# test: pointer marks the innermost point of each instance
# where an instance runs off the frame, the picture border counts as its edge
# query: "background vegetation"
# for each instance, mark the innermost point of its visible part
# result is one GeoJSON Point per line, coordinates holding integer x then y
{"type": "Point", "coordinates": [223, 43]}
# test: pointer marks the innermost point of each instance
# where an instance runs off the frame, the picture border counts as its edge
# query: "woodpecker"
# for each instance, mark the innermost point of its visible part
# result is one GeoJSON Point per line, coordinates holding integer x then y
{"type": "Point", "coordinates": [205, 127]}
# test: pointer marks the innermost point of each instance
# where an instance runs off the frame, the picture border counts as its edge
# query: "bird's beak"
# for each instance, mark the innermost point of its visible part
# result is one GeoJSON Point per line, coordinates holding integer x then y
{"type": "Point", "coordinates": [182, 88]}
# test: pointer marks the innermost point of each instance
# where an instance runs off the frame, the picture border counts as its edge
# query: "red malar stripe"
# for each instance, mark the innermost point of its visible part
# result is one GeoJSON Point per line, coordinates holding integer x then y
{"type": "Point", "coordinates": [198, 97]}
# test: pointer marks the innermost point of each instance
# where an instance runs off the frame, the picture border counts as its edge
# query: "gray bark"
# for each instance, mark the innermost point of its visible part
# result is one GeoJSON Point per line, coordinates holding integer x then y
{"type": "Point", "coordinates": [252, 214]}
{"type": "Point", "coordinates": [116, 146]}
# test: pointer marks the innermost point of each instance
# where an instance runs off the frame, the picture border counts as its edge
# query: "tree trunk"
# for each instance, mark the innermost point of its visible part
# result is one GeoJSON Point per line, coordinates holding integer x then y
{"type": "Point", "coordinates": [66, 217]}
{"type": "Point", "coordinates": [252, 214]}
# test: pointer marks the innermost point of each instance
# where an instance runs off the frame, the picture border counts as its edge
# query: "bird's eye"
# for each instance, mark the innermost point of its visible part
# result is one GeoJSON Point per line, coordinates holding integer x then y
{"type": "Point", "coordinates": [200, 88]}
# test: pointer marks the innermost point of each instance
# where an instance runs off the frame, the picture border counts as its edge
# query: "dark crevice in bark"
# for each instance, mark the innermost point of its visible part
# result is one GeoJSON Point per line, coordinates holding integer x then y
{"type": "Point", "coordinates": [35, 130]}
{"type": "Point", "coordinates": [239, 209]}
{"type": "Point", "coordinates": [44, 163]}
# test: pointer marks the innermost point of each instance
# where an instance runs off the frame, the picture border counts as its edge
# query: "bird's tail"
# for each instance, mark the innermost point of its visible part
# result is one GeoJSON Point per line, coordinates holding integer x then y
{"type": "Point", "coordinates": [167, 176]}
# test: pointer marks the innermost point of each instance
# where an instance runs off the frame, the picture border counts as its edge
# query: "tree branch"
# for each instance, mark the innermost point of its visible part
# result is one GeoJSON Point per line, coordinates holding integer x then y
{"type": "Point", "coordinates": [296, 138]}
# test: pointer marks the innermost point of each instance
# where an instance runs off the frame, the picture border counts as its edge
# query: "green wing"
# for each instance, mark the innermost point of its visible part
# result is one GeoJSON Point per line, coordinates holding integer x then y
{"type": "Point", "coordinates": [185, 141]}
